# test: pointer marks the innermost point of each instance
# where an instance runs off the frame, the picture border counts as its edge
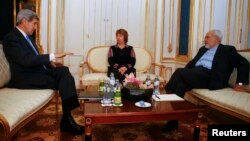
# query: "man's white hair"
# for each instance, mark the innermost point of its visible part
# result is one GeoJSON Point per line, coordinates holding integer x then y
{"type": "Point", "coordinates": [26, 14]}
{"type": "Point", "coordinates": [217, 33]}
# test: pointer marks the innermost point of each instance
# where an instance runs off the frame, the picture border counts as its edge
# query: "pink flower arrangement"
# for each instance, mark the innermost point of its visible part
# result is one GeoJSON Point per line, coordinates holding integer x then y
{"type": "Point", "coordinates": [131, 81]}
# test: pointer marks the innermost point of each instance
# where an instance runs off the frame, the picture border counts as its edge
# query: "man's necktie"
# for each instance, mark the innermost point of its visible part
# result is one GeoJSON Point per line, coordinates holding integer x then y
{"type": "Point", "coordinates": [34, 49]}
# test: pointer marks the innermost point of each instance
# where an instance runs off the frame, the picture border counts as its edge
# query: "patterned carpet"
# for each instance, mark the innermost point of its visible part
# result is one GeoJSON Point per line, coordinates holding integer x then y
{"type": "Point", "coordinates": [46, 128]}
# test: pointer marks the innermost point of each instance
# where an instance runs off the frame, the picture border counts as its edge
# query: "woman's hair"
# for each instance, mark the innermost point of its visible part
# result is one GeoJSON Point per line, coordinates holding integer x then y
{"type": "Point", "coordinates": [124, 33]}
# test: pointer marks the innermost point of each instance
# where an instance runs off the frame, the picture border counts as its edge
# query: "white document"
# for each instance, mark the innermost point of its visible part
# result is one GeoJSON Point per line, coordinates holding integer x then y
{"type": "Point", "coordinates": [167, 97]}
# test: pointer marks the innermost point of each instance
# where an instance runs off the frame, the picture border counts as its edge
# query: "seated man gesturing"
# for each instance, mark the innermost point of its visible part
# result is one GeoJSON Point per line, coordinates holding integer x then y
{"type": "Point", "coordinates": [31, 70]}
{"type": "Point", "coordinates": [210, 68]}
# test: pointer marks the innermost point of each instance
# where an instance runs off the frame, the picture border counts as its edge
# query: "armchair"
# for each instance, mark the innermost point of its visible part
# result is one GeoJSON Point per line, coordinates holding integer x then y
{"type": "Point", "coordinates": [96, 66]}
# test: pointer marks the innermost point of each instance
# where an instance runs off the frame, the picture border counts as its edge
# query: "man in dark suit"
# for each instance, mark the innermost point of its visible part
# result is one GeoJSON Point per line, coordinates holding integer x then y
{"type": "Point", "coordinates": [210, 68]}
{"type": "Point", "coordinates": [31, 70]}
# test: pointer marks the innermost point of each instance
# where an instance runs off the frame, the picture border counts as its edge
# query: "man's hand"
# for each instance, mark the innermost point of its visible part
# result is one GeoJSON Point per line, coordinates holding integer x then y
{"type": "Point", "coordinates": [238, 88]}
{"type": "Point", "coordinates": [62, 54]}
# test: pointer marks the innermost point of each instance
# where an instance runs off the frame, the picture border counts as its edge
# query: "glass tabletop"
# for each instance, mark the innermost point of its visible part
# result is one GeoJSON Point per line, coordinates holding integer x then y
{"type": "Point", "coordinates": [90, 95]}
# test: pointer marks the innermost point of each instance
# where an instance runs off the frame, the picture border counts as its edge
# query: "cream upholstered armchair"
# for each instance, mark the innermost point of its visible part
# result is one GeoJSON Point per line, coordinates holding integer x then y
{"type": "Point", "coordinates": [96, 65]}
{"type": "Point", "coordinates": [18, 106]}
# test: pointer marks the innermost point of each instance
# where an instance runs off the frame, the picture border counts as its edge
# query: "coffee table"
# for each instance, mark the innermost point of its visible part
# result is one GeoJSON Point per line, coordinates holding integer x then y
{"type": "Point", "coordinates": [94, 113]}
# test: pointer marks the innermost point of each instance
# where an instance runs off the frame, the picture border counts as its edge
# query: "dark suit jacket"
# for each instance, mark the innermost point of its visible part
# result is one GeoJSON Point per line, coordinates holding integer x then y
{"type": "Point", "coordinates": [225, 60]}
{"type": "Point", "coordinates": [26, 67]}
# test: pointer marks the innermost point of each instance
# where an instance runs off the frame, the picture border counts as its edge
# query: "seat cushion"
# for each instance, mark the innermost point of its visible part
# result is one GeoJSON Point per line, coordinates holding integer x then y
{"type": "Point", "coordinates": [16, 105]}
{"type": "Point", "coordinates": [238, 102]}
{"type": "Point", "coordinates": [93, 78]}
{"type": "Point", "coordinates": [4, 68]}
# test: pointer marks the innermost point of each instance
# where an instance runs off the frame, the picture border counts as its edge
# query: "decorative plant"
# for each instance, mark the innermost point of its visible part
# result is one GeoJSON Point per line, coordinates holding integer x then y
{"type": "Point", "coordinates": [131, 82]}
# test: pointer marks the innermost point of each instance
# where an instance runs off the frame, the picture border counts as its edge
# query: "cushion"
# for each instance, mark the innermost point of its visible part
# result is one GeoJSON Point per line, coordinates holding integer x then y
{"type": "Point", "coordinates": [16, 105]}
{"type": "Point", "coordinates": [4, 68]}
{"type": "Point", "coordinates": [143, 60]}
{"type": "Point", "coordinates": [97, 59]}
{"type": "Point", "coordinates": [233, 77]}
{"type": "Point", "coordinates": [93, 78]}
{"type": "Point", "coordinates": [239, 102]}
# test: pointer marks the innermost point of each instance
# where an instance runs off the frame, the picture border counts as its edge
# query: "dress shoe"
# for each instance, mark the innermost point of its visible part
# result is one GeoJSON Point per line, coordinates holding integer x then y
{"type": "Point", "coordinates": [68, 124]}
{"type": "Point", "coordinates": [170, 126]}
{"type": "Point", "coordinates": [73, 121]}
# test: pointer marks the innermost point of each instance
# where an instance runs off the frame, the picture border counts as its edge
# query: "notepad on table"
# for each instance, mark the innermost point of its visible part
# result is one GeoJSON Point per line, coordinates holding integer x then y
{"type": "Point", "coordinates": [167, 97]}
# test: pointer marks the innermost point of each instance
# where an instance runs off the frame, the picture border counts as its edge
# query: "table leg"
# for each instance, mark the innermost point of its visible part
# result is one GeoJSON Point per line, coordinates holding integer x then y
{"type": "Point", "coordinates": [81, 101]}
{"type": "Point", "coordinates": [88, 129]}
{"type": "Point", "coordinates": [196, 132]}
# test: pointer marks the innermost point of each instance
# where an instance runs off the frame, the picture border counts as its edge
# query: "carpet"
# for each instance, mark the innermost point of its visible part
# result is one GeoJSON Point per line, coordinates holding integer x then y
{"type": "Point", "coordinates": [45, 127]}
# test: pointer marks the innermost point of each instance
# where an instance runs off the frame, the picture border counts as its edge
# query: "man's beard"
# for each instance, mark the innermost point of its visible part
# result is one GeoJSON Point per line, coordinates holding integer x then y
{"type": "Point", "coordinates": [207, 46]}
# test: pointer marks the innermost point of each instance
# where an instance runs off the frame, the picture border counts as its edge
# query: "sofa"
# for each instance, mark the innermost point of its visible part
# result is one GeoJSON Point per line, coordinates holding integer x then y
{"type": "Point", "coordinates": [227, 100]}
{"type": "Point", "coordinates": [18, 106]}
{"type": "Point", "coordinates": [96, 66]}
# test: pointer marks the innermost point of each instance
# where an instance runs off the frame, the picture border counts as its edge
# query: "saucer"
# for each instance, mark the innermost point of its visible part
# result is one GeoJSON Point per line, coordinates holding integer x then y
{"type": "Point", "coordinates": [112, 101]}
{"type": "Point", "coordinates": [107, 105]}
{"type": "Point", "coordinates": [118, 105]}
{"type": "Point", "coordinates": [146, 105]}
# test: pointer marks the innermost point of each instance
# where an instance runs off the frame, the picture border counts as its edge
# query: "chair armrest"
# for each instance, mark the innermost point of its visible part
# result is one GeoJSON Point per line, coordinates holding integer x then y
{"type": "Point", "coordinates": [158, 65]}
{"type": "Point", "coordinates": [162, 69]}
{"type": "Point", "coordinates": [4, 128]}
{"type": "Point", "coordinates": [83, 66]}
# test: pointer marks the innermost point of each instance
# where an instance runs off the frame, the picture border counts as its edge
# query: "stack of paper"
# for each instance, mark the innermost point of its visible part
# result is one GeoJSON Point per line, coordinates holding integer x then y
{"type": "Point", "coordinates": [167, 97]}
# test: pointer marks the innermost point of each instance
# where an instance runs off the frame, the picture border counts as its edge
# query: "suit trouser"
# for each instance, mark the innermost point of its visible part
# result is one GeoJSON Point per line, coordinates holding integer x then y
{"type": "Point", "coordinates": [185, 79]}
{"type": "Point", "coordinates": [65, 83]}
{"type": "Point", "coordinates": [57, 79]}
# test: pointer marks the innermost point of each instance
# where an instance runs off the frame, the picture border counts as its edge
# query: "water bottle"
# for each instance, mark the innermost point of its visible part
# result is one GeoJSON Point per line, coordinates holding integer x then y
{"type": "Point", "coordinates": [117, 83]}
{"type": "Point", "coordinates": [106, 95]}
{"type": "Point", "coordinates": [112, 79]}
{"type": "Point", "coordinates": [101, 87]}
{"type": "Point", "coordinates": [148, 81]}
{"type": "Point", "coordinates": [156, 85]}
{"type": "Point", "coordinates": [112, 82]}
{"type": "Point", "coordinates": [117, 96]}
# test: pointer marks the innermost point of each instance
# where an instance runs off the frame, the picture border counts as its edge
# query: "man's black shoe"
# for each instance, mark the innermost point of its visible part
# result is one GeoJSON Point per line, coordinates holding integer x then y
{"type": "Point", "coordinates": [170, 126]}
{"type": "Point", "coordinates": [68, 124]}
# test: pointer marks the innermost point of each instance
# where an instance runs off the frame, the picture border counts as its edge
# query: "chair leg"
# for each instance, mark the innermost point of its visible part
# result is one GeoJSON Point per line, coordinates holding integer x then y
{"type": "Point", "coordinates": [15, 136]}
{"type": "Point", "coordinates": [57, 103]}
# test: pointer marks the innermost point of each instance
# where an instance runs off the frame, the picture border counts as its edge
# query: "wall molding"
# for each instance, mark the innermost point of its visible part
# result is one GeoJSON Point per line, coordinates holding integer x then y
{"type": "Point", "coordinates": [228, 20]}
{"type": "Point", "coordinates": [172, 27]}
{"type": "Point", "coordinates": [211, 25]}
{"type": "Point", "coordinates": [247, 42]}
{"type": "Point", "coordinates": [49, 27]}
{"type": "Point", "coordinates": [191, 29]}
